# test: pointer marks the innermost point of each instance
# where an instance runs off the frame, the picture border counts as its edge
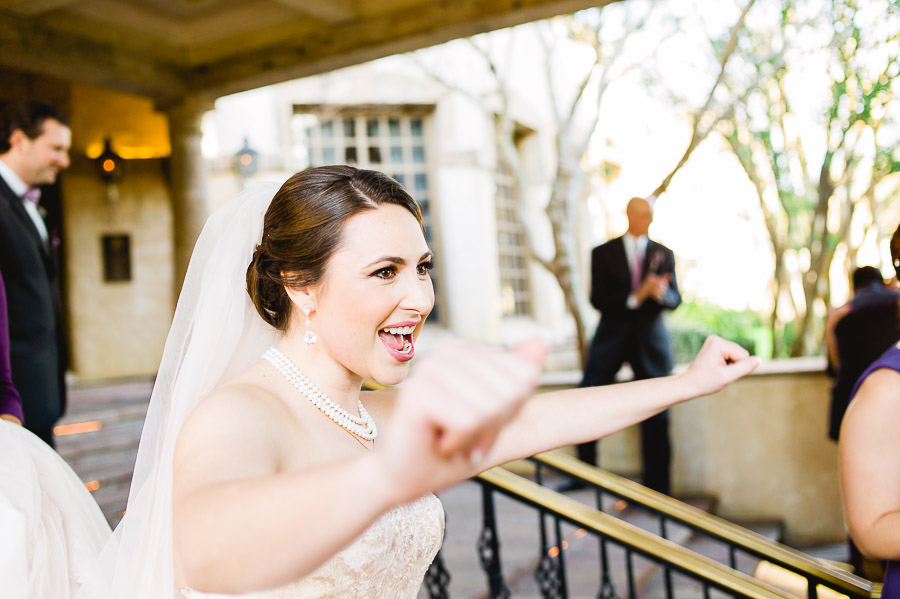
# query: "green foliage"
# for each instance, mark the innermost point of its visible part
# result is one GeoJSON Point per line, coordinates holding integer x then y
{"type": "Point", "coordinates": [692, 322]}
{"type": "Point", "coordinates": [818, 190]}
{"type": "Point", "coordinates": [687, 339]}
{"type": "Point", "coordinates": [787, 336]}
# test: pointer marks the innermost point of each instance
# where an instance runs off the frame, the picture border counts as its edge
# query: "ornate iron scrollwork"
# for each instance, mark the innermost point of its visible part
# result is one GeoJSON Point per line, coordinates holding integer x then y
{"type": "Point", "coordinates": [437, 579]}
{"type": "Point", "coordinates": [547, 576]}
{"type": "Point", "coordinates": [489, 547]}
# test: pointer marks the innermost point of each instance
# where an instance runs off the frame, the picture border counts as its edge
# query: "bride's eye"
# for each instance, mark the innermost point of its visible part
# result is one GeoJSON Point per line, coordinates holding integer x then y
{"type": "Point", "coordinates": [388, 272]}
{"type": "Point", "coordinates": [425, 267]}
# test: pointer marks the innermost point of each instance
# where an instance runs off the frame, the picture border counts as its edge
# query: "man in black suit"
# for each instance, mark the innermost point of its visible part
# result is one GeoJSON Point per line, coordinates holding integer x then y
{"type": "Point", "coordinates": [34, 145]}
{"type": "Point", "coordinates": [632, 282]}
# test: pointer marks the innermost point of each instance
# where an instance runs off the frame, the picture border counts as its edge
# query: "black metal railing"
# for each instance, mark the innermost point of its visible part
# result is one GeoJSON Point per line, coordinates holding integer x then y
{"type": "Point", "coordinates": [737, 540]}
{"type": "Point", "coordinates": [701, 575]}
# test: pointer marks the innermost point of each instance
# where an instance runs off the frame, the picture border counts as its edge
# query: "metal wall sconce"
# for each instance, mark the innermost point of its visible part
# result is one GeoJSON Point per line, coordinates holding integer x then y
{"type": "Point", "coordinates": [109, 164]}
{"type": "Point", "coordinates": [109, 167]}
{"type": "Point", "coordinates": [246, 161]}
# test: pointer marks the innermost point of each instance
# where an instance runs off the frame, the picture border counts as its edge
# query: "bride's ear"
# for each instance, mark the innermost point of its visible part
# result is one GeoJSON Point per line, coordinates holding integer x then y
{"type": "Point", "coordinates": [302, 296]}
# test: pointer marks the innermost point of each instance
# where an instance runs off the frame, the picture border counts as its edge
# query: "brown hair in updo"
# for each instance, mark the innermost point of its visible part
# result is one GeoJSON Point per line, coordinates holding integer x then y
{"type": "Point", "coordinates": [303, 228]}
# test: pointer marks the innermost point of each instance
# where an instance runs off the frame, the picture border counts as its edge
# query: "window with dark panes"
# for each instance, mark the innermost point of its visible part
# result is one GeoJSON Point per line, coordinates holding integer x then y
{"type": "Point", "coordinates": [512, 247]}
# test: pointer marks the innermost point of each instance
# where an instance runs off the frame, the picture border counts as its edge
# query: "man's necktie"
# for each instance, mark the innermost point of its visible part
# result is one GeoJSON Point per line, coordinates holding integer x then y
{"type": "Point", "coordinates": [33, 195]}
{"type": "Point", "coordinates": [636, 268]}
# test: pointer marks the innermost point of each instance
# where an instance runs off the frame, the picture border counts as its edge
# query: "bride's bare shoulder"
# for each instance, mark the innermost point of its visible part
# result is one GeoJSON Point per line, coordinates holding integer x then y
{"type": "Point", "coordinates": [233, 433]}
{"type": "Point", "coordinates": [243, 410]}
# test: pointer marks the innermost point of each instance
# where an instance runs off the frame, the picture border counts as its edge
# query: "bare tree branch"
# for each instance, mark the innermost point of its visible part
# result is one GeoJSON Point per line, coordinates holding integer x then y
{"type": "Point", "coordinates": [696, 136]}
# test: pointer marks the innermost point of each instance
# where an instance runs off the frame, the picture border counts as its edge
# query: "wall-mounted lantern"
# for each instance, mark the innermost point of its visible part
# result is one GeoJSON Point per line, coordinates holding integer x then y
{"type": "Point", "coordinates": [109, 164]}
{"type": "Point", "coordinates": [246, 161]}
{"type": "Point", "coordinates": [109, 167]}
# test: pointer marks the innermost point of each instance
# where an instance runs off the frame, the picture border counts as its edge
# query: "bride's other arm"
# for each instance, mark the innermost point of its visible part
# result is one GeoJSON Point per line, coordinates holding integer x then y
{"type": "Point", "coordinates": [240, 524]}
{"type": "Point", "coordinates": [560, 418]}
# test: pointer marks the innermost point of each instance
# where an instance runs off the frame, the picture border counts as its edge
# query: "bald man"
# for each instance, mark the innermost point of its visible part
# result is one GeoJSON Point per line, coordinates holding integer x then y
{"type": "Point", "coordinates": [632, 282]}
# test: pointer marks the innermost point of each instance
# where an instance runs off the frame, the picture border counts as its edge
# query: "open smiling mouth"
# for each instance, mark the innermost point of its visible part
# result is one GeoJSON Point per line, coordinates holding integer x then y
{"type": "Point", "coordinates": [398, 341]}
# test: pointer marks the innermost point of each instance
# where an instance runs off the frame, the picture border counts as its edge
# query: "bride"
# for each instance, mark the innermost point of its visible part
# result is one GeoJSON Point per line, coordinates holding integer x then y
{"type": "Point", "coordinates": [264, 471]}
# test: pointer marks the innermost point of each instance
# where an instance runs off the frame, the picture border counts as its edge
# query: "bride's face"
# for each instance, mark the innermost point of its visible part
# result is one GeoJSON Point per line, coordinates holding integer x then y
{"type": "Point", "coordinates": [375, 294]}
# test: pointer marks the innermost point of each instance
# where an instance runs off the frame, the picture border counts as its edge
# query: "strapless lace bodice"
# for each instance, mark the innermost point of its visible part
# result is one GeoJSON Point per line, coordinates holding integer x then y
{"type": "Point", "coordinates": [388, 560]}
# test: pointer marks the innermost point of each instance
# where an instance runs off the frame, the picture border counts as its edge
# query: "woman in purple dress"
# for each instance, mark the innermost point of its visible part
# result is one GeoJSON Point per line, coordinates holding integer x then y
{"type": "Point", "coordinates": [10, 402]}
{"type": "Point", "coordinates": [870, 459]}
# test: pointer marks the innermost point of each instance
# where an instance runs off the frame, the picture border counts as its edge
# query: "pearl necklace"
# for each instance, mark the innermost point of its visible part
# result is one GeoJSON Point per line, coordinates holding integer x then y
{"type": "Point", "coordinates": [362, 426]}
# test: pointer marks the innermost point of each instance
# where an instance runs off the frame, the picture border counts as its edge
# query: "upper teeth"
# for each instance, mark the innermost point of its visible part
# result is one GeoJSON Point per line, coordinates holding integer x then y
{"type": "Point", "coordinates": [399, 330]}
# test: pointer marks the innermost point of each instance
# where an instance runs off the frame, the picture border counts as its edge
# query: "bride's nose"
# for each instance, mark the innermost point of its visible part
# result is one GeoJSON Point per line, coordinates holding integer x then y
{"type": "Point", "coordinates": [418, 295]}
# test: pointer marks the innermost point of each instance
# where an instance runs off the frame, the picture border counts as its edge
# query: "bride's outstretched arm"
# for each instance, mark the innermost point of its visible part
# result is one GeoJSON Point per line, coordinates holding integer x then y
{"type": "Point", "coordinates": [560, 418]}
{"type": "Point", "coordinates": [240, 524]}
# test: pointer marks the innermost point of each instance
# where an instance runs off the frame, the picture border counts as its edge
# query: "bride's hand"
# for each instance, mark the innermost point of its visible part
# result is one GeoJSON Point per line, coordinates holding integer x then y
{"type": "Point", "coordinates": [450, 411]}
{"type": "Point", "coordinates": [718, 363]}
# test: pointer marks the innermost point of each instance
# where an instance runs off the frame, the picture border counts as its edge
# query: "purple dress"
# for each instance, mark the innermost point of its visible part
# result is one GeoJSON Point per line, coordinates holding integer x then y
{"type": "Point", "coordinates": [10, 402]}
{"type": "Point", "coordinates": [889, 359]}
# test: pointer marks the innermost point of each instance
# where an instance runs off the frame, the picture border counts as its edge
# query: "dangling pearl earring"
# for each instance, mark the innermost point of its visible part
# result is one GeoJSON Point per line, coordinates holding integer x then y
{"type": "Point", "coordinates": [309, 338]}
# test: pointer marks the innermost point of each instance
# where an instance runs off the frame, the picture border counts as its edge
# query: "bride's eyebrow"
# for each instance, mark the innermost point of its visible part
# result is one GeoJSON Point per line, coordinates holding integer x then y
{"type": "Point", "coordinates": [398, 260]}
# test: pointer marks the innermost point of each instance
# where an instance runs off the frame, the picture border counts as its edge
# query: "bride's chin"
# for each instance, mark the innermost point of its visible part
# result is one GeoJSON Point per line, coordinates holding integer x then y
{"type": "Point", "coordinates": [393, 376]}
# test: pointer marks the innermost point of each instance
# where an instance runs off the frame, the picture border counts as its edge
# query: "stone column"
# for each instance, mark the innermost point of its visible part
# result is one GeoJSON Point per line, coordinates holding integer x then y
{"type": "Point", "coordinates": [188, 174]}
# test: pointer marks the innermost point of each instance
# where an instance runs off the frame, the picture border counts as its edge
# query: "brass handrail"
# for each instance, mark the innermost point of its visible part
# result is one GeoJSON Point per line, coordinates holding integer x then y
{"type": "Point", "coordinates": [714, 526]}
{"type": "Point", "coordinates": [630, 535]}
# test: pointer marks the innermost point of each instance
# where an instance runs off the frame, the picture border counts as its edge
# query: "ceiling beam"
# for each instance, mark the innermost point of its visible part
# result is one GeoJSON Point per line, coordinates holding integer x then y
{"type": "Point", "coordinates": [333, 12]}
{"type": "Point", "coordinates": [364, 40]}
{"type": "Point", "coordinates": [33, 7]}
{"type": "Point", "coordinates": [29, 46]}
{"type": "Point", "coordinates": [280, 52]}
{"type": "Point", "coordinates": [182, 33]}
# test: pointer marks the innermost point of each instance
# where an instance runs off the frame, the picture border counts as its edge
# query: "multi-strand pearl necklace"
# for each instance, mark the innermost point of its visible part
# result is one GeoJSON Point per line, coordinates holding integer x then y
{"type": "Point", "coordinates": [362, 426]}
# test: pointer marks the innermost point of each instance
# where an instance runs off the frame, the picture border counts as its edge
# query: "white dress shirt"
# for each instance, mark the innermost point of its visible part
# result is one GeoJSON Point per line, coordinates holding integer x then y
{"type": "Point", "coordinates": [19, 188]}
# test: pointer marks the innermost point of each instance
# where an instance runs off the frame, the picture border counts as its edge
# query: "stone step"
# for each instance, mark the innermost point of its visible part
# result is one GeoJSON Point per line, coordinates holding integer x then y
{"type": "Point", "coordinates": [113, 436]}
{"type": "Point", "coordinates": [104, 466]}
{"type": "Point", "coordinates": [105, 456]}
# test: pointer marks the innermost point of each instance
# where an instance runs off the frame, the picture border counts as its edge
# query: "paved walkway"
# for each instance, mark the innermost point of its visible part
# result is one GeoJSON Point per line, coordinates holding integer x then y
{"type": "Point", "coordinates": [100, 438]}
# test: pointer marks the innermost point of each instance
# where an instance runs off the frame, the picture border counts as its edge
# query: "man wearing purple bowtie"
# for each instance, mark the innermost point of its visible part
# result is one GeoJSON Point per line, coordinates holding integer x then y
{"type": "Point", "coordinates": [34, 145]}
{"type": "Point", "coordinates": [632, 282]}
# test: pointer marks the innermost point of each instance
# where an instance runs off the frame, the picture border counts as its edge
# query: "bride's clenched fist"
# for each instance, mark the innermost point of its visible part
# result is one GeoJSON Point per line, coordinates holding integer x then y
{"type": "Point", "coordinates": [718, 363]}
{"type": "Point", "coordinates": [450, 411]}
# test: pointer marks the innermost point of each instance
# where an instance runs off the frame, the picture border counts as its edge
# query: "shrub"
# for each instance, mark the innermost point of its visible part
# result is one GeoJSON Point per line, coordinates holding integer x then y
{"type": "Point", "coordinates": [692, 322]}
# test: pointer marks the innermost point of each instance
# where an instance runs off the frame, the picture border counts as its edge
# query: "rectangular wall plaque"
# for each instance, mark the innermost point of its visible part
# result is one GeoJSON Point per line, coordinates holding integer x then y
{"type": "Point", "coordinates": [116, 258]}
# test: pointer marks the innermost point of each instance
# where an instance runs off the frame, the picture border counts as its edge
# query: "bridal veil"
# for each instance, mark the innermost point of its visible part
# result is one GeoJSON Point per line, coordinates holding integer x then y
{"type": "Point", "coordinates": [216, 333]}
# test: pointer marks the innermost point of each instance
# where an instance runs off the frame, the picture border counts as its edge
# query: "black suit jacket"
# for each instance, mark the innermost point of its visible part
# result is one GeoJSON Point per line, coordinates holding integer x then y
{"type": "Point", "coordinates": [638, 336]}
{"type": "Point", "coordinates": [37, 347]}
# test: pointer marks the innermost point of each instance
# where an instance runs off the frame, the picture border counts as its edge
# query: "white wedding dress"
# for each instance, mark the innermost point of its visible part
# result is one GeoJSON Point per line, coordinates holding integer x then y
{"type": "Point", "coordinates": [54, 541]}
{"type": "Point", "coordinates": [388, 561]}
{"type": "Point", "coordinates": [51, 529]}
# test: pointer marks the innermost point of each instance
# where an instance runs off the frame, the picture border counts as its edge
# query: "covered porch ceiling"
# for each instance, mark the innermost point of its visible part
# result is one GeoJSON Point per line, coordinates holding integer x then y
{"type": "Point", "coordinates": [171, 49]}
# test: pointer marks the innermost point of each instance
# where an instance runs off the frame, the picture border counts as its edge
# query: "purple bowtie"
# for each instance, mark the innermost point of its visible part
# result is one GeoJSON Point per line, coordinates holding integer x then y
{"type": "Point", "coordinates": [33, 195]}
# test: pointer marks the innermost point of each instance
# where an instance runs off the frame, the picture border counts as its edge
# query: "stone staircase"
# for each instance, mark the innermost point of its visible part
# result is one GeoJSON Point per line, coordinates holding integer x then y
{"type": "Point", "coordinates": [103, 456]}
